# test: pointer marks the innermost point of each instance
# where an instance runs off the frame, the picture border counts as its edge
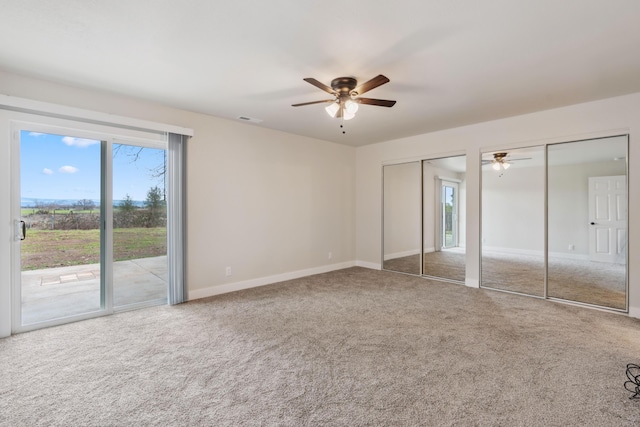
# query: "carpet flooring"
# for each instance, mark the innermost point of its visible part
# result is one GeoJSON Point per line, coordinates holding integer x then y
{"type": "Point", "coordinates": [597, 283]}
{"type": "Point", "coordinates": [354, 347]}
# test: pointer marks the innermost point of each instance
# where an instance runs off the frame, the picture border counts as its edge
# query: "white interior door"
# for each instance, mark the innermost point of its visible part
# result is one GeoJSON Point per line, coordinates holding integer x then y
{"type": "Point", "coordinates": [608, 219]}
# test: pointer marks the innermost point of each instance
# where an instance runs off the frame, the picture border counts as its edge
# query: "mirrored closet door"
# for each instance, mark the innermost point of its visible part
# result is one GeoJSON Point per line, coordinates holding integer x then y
{"type": "Point", "coordinates": [444, 198]}
{"type": "Point", "coordinates": [513, 227]}
{"type": "Point", "coordinates": [587, 202]}
{"type": "Point", "coordinates": [576, 248]}
{"type": "Point", "coordinates": [401, 217]}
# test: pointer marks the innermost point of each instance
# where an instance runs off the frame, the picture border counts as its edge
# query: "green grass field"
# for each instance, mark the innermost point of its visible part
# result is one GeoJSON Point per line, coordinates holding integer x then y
{"type": "Point", "coordinates": [57, 248]}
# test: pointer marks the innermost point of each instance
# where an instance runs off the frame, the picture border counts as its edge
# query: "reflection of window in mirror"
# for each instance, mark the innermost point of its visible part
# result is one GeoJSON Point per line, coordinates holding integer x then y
{"type": "Point", "coordinates": [444, 217]}
{"type": "Point", "coordinates": [587, 214]}
{"type": "Point", "coordinates": [513, 220]}
{"type": "Point", "coordinates": [401, 217]}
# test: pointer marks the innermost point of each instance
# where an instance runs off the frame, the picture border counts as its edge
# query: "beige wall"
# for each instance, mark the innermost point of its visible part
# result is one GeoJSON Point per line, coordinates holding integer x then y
{"type": "Point", "coordinates": [601, 118]}
{"type": "Point", "coordinates": [267, 204]}
{"type": "Point", "coordinates": [508, 202]}
{"type": "Point", "coordinates": [401, 210]}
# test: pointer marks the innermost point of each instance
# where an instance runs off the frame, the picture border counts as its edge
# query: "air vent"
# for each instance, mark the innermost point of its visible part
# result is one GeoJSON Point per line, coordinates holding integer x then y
{"type": "Point", "coordinates": [249, 119]}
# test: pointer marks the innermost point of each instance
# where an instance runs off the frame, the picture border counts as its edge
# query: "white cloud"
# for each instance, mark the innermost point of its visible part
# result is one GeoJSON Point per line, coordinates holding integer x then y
{"type": "Point", "coordinates": [36, 134]}
{"type": "Point", "coordinates": [68, 169]}
{"type": "Point", "coordinates": [79, 142]}
{"type": "Point", "coordinates": [47, 171]}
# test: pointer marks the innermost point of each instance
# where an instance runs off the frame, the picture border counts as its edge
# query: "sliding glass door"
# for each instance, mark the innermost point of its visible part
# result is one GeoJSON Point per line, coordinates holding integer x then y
{"type": "Point", "coordinates": [61, 211]}
{"type": "Point", "coordinates": [139, 225]}
{"type": "Point", "coordinates": [449, 220]}
{"type": "Point", "coordinates": [93, 226]}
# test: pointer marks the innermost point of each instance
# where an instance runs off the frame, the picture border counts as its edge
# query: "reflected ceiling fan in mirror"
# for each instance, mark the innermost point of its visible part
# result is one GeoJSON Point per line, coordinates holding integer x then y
{"type": "Point", "coordinates": [501, 162]}
{"type": "Point", "coordinates": [346, 96]}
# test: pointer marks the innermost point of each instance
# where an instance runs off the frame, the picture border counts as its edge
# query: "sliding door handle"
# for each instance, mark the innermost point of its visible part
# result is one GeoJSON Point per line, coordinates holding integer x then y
{"type": "Point", "coordinates": [24, 230]}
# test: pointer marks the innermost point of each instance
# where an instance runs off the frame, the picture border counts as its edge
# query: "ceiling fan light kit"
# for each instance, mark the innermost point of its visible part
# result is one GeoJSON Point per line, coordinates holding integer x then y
{"type": "Point", "coordinates": [332, 109]}
{"type": "Point", "coordinates": [500, 164]}
{"type": "Point", "coordinates": [500, 161]}
{"type": "Point", "coordinates": [346, 92]}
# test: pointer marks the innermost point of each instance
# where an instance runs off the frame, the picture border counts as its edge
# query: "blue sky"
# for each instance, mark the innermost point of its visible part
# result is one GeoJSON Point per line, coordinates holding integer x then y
{"type": "Point", "coordinates": [66, 167]}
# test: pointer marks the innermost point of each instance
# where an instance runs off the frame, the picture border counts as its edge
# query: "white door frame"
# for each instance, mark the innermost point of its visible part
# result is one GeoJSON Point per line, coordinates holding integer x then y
{"type": "Point", "coordinates": [97, 132]}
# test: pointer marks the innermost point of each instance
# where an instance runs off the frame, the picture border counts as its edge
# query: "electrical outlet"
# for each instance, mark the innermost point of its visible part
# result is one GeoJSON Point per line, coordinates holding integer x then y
{"type": "Point", "coordinates": [330, 256]}
{"type": "Point", "coordinates": [228, 271]}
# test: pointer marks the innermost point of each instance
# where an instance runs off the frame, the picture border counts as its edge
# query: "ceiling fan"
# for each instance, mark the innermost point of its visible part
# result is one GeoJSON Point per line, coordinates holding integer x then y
{"type": "Point", "coordinates": [501, 162]}
{"type": "Point", "coordinates": [346, 95]}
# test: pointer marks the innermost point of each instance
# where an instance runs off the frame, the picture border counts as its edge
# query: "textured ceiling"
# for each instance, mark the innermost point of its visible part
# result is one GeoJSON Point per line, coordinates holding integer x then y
{"type": "Point", "coordinates": [451, 63]}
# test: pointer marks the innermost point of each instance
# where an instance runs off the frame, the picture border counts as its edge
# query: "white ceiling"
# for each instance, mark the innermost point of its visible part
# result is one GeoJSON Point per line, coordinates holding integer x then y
{"type": "Point", "coordinates": [451, 63]}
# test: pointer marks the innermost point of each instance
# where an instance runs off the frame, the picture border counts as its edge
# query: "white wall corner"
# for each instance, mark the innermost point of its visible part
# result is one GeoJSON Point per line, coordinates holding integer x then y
{"type": "Point", "coordinates": [472, 283]}
{"type": "Point", "coordinates": [371, 265]}
{"type": "Point", "coordinates": [262, 281]}
{"type": "Point", "coordinates": [634, 312]}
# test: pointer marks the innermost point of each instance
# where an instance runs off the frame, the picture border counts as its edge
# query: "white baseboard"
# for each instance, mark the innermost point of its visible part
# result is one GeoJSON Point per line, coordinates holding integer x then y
{"type": "Point", "coordinates": [371, 265]}
{"type": "Point", "coordinates": [634, 312]}
{"type": "Point", "coordinates": [561, 255]}
{"type": "Point", "coordinates": [402, 254]}
{"type": "Point", "coordinates": [565, 255]}
{"type": "Point", "coordinates": [262, 281]}
{"type": "Point", "coordinates": [514, 251]}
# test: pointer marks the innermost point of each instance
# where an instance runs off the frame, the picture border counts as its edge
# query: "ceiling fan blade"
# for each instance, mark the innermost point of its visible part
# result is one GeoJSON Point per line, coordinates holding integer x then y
{"type": "Point", "coordinates": [313, 102]}
{"type": "Point", "coordinates": [378, 102]}
{"type": "Point", "coordinates": [319, 85]}
{"type": "Point", "coordinates": [515, 160]}
{"type": "Point", "coordinates": [371, 84]}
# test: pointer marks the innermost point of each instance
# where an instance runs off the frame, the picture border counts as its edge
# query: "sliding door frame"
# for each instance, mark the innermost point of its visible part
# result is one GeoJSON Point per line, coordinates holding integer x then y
{"type": "Point", "coordinates": [108, 136]}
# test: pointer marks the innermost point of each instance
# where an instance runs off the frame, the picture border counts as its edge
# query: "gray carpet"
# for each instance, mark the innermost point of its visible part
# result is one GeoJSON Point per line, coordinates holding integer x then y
{"type": "Point", "coordinates": [448, 264]}
{"type": "Point", "coordinates": [355, 347]}
{"type": "Point", "coordinates": [595, 283]}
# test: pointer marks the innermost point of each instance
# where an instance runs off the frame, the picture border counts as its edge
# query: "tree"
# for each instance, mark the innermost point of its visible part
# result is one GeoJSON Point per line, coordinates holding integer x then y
{"type": "Point", "coordinates": [155, 204]}
{"type": "Point", "coordinates": [85, 205]}
{"type": "Point", "coordinates": [127, 205]}
{"type": "Point", "coordinates": [154, 198]}
{"type": "Point", "coordinates": [135, 153]}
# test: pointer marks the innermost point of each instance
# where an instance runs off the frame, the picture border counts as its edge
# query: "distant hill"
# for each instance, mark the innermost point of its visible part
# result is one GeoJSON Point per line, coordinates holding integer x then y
{"type": "Point", "coordinates": [29, 202]}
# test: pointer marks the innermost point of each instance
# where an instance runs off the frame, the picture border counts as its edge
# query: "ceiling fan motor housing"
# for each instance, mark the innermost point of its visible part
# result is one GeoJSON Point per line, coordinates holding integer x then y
{"type": "Point", "coordinates": [344, 85]}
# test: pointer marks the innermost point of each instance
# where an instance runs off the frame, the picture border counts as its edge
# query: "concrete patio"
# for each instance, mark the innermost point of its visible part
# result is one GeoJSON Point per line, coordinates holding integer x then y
{"type": "Point", "coordinates": [64, 291]}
